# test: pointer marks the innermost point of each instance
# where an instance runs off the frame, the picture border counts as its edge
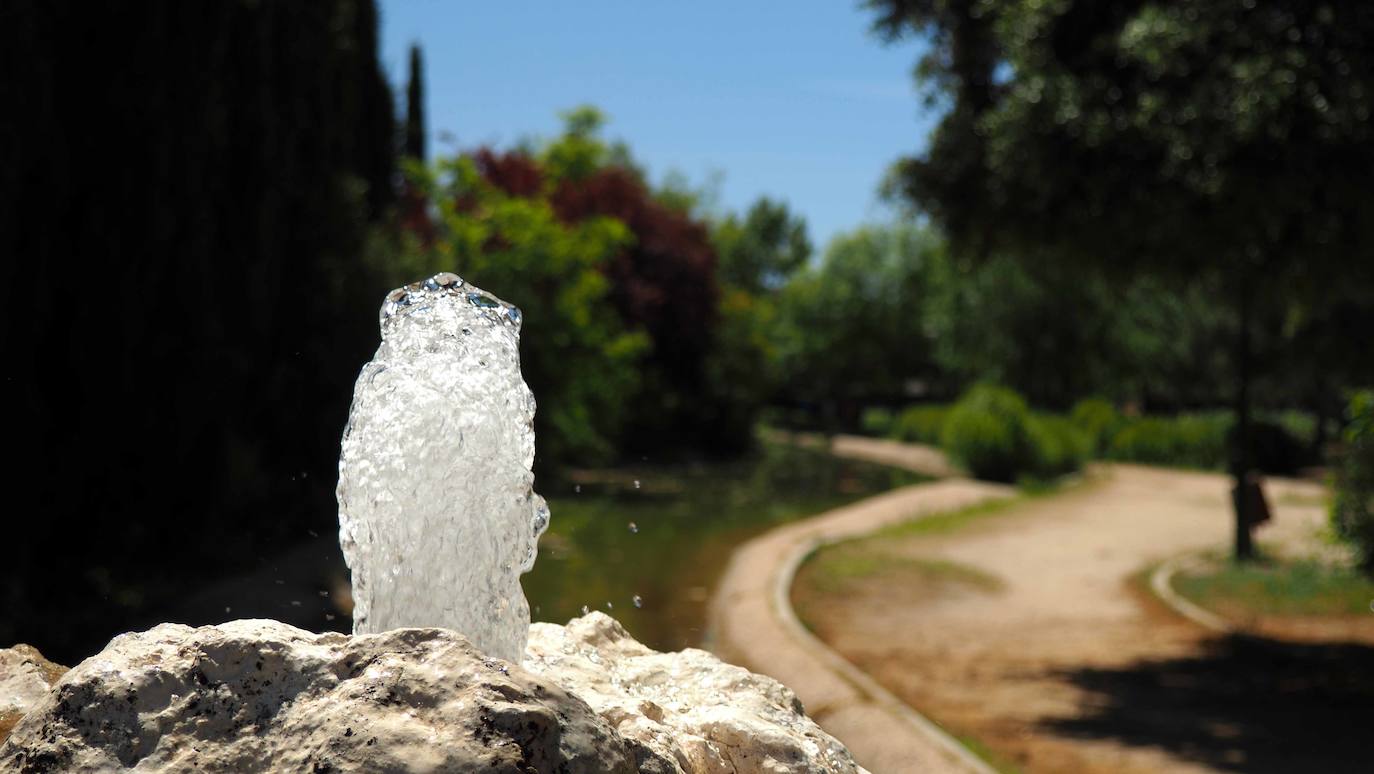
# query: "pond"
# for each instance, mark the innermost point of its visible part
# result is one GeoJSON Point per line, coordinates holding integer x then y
{"type": "Point", "coordinates": [661, 535]}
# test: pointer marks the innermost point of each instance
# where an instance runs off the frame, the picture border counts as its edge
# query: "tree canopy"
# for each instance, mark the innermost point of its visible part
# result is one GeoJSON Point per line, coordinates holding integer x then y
{"type": "Point", "coordinates": [1195, 139]}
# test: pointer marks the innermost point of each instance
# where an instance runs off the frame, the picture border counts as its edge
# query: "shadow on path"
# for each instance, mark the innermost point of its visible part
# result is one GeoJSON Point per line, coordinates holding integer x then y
{"type": "Point", "coordinates": [1243, 704]}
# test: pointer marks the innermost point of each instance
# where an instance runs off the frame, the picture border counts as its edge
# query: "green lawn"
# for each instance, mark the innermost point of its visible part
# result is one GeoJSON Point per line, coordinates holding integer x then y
{"type": "Point", "coordinates": [1273, 587]}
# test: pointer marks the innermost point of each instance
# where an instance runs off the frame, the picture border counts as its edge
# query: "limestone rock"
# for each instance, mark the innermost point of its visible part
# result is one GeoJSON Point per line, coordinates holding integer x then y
{"type": "Point", "coordinates": [687, 711]}
{"type": "Point", "coordinates": [260, 695]}
{"type": "Point", "coordinates": [25, 677]}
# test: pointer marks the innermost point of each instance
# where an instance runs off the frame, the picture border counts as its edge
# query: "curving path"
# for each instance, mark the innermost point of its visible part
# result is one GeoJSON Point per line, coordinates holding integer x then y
{"type": "Point", "coordinates": [752, 622]}
{"type": "Point", "coordinates": [1071, 668]}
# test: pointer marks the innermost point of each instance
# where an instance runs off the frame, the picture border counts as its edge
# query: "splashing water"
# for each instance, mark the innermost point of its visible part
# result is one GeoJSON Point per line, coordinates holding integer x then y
{"type": "Point", "coordinates": [437, 512]}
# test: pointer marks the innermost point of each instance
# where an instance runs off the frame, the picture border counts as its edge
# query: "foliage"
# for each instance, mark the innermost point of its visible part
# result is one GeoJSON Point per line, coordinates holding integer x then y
{"type": "Point", "coordinates": [988, 432]}
{"type": "Point", "coordinates": [761, 251]}
{"type": "Point", "coordinates": [921, 424]}
{"type": "Point", "coordinates": [1352, 510]}
{"type": "Point", "coordinates": [414, 137]}
{"type": "Point", "coordinates": [850, 328]}
{"type": "Point", "coordinates": [1098, 420]}
{"type": "Point", "coordinates": [877, 422]}
{"type": "Point", "coordinates": [1304, 587]}
{"type": "Point", "coordinates": [1186, 440]}
{"type": "Point", "coordinates": [1220, 141]}
{"type": "Point", "coordinates": [183, 288]}
{"type": "Point", "coordinates": [1060, 446]}
{"type": "Point", "coordinates": [577, 356]}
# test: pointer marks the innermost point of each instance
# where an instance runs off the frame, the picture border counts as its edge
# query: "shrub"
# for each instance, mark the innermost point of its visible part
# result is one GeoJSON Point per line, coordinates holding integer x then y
{"type": "Point", "coordinates": [876, 421]}
{"type": "Point", "coordinates": [921, 424]}
{"type": "Point", "coordinates": [1352, 508]}
{"type": "Point", "coordinates": [1098, 420]}
{"type": "Point", "coordinates": [988, 432]}
{"type": "Point", "coordinates": [1187, 440]}
{"type": "Point", "coordinates": [1059, 445]}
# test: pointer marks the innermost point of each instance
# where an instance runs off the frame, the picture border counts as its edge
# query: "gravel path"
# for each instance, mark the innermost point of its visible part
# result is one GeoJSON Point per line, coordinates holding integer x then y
{"type": "Point", "coordinates": [1071, 668]}
{"type": "Point", "coordinates": [752, 623]}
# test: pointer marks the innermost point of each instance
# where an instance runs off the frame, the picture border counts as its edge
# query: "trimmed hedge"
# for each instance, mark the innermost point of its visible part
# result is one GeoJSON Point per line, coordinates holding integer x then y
{"type": "Point", "coordinates": [1187, 440]}
{"type": "Point", "coordinates": [1352, 508]}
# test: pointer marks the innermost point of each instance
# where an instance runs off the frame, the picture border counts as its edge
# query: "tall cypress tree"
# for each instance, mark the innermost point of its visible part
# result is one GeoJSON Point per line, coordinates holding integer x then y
{"type": "Point", "coordinates": [186, 304]}
{"type": "Point", "coordinates": [415, 107]}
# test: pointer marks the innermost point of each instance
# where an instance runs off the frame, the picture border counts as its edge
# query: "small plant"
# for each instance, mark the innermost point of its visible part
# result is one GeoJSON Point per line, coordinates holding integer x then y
{"type": "Point", "coordinates": [1352, 508]}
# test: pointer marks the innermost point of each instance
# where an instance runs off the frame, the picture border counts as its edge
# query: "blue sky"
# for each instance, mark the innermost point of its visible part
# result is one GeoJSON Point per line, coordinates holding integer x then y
{"type": "Point", "coordinates": [796, 101]}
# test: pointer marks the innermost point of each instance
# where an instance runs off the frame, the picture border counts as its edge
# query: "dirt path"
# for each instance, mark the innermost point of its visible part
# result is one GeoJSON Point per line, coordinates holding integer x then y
{"type": "Point", "coordinates": [1070, 668]}
{"type": "Point", "coordinates": [752, 624]}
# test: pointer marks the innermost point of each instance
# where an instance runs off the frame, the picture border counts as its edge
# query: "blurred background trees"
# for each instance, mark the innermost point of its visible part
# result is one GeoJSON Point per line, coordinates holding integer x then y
{"type": "Point", "coordinates": [1130, 216]}
{"type": "Point", "coordinates": [1224, 143]}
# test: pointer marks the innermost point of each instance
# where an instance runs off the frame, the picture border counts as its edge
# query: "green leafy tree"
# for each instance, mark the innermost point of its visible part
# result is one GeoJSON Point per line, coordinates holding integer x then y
{"type": "Point", "coordinates": [577, 355]}
{"type": "Point", "coordinates": [1225, 141]}
{"type": "Point", "coordinates": [760, 251]}
{"type": "Point", "coordinates": [850, 329]}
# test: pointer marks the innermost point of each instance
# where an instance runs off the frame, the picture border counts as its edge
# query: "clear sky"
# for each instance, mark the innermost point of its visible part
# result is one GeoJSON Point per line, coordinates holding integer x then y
{"type": "Point", "coordinates": [793, 100]}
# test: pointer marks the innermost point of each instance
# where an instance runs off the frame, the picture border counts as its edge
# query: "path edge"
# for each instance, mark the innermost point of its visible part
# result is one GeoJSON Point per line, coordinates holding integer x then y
{"type": "Point", "coordinates": [782, 603]}
{"type": "Point", "coordinates": [1162, 584]}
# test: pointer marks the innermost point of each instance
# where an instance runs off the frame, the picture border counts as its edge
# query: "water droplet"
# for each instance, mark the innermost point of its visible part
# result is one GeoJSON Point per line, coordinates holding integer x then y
{"type": "Point", "coordinates": [609, 606]}
{"type": "Point", "coordinates": [638, 600]}
{"type": "Point", "coordinates": [636, 483]}
{"type": "Point", "coordinates": [328, 616]}
{"type": "Point", "coordinates": [577, 489]}
{"type": "Point", "coordinates": [585, 610]}
{"type": "Point", "coordinates": [483, 300]}
{"type": "Point", "coordinates": [227, 609]}
{"type": "Point", "coordinates": [324, 593]}
{"type": "Point", "coordinates": [447, 279]}
{"type": "Point", "coordinates": [634, 528]}
{"type": "Point", "coordinates": [295, 603]}
{"type": "Point", "coordinates": [281, 582]}
{"type": "Point", "coordinates": [312, 533]}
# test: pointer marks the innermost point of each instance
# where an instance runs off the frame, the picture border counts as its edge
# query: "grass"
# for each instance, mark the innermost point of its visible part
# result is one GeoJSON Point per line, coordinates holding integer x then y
{"type": "Point", "coordinates": [1303, 587]}
{"type": "Point", "coordinates": [835, 570]}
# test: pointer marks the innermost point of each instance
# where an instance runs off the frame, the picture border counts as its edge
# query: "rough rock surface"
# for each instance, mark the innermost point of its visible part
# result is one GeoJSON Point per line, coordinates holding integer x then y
{"type": "Point", "coordinates": [260, 695]}
{"type": "Point", "coordinates": [25, 677]}
{"type": "Point", "coordinates": [686, 711]}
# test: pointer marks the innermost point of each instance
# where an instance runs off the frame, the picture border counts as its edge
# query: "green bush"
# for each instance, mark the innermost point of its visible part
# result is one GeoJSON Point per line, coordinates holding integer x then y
{"type": "Point", "coordinates": [1098, 420]}
{"type": "Point", "coordinates": [1059, 444]}
{"type": "Point", "coordinates": [1352, 508]}
{"type": "Point", "coordinates": [988, 432]}
{"type": "Point", "coordinates": [876, 422]}
{"type": "Point", "coordinates": [921, 424]}
{"type": "Point", "coordinates": [1187, 440]}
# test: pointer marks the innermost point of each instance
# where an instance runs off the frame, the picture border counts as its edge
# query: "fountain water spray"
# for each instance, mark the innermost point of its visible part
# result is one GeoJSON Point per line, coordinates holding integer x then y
{"type": "Point", "coordinates": [437, 512]}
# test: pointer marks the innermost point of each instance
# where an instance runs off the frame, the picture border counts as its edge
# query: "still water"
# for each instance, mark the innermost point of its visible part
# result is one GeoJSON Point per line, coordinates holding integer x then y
{"type": "Point", "coordinates": [661, 535]}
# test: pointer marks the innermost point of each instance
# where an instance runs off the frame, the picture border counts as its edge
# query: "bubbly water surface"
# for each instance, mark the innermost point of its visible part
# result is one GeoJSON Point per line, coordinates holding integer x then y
{"type": "Point", "coordinates": [437, 512]}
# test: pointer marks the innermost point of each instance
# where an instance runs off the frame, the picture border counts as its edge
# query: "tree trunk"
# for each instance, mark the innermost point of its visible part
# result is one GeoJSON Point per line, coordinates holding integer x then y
{"type": "Point", "coordinates": [1240, 439]}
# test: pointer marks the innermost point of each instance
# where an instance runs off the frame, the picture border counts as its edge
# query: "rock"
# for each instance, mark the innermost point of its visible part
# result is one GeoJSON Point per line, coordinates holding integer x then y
{"type": "Point", "coordinates": [260, 695]}
{"type": "Point", "coordinates": [25, 677]}
{"type": "Point", "coordinates": [686, 711]}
